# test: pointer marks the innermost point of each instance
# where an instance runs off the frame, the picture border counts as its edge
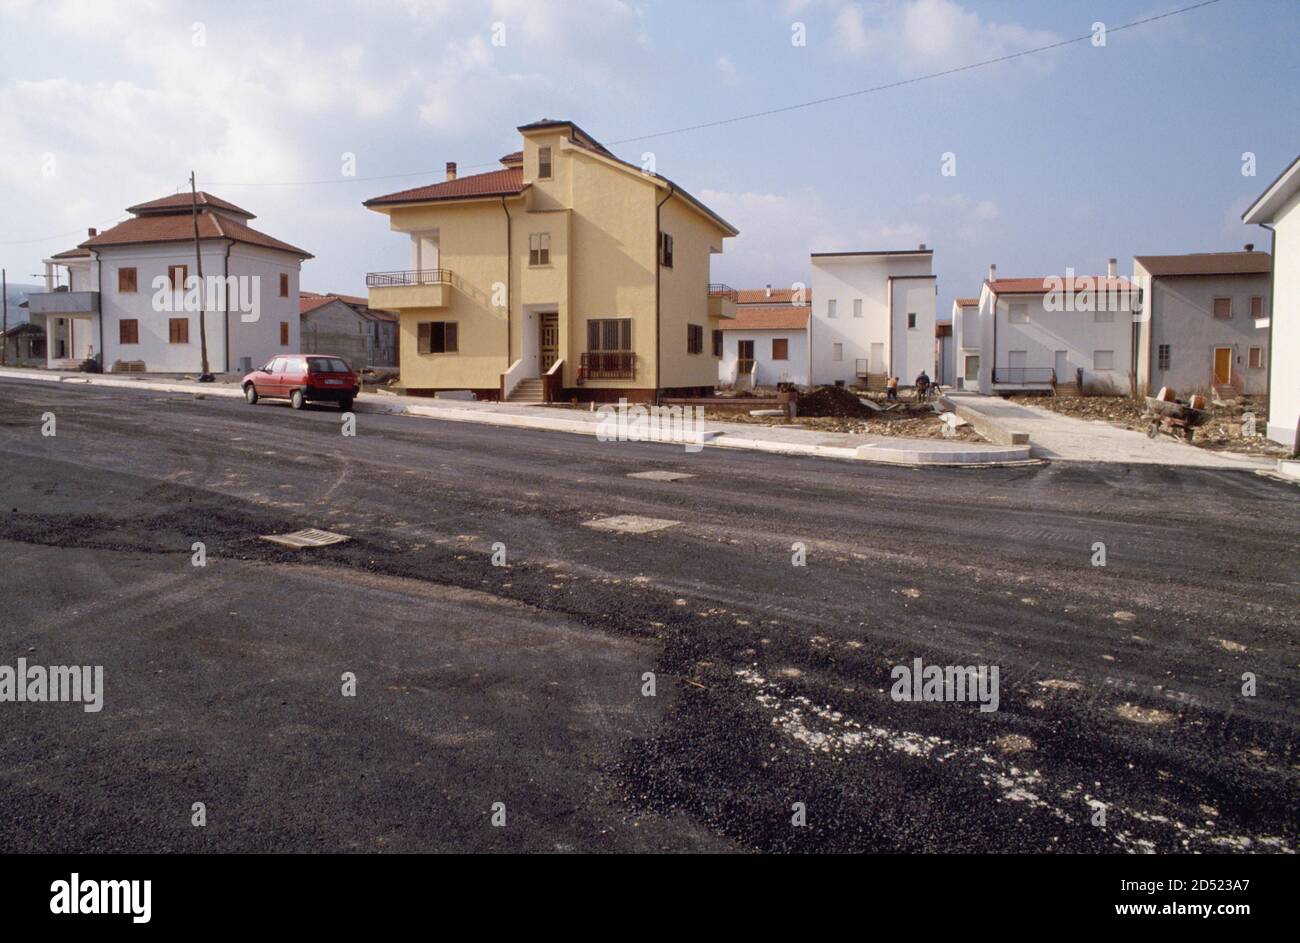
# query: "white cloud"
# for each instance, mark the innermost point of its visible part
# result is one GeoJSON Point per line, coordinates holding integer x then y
{"type": "Point", "coordinates": [727, 71]}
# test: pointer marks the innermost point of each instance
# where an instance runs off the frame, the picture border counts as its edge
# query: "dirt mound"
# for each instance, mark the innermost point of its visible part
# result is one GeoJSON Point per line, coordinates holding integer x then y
{"type": "Point", "coordinates": [833, 401]}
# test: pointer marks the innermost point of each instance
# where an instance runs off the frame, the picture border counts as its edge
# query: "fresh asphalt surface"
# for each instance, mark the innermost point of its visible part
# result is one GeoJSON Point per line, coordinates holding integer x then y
{"type": "Point", "coordinates": [1120, 686]}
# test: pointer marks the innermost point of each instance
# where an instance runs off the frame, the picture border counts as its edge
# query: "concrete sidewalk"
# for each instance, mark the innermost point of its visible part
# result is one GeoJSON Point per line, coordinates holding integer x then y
{"type": "Point", "coordinates": [1065, 438]}
{"type": "Point", "coordinates": [581, 421]}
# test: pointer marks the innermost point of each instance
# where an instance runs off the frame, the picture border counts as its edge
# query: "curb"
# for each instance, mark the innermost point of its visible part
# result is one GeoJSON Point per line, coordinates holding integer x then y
{"type": "Point", "coordinates": [885, 455]}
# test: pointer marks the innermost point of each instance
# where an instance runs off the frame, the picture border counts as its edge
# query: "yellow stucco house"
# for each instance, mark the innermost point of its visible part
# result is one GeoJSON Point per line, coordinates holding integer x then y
{"type": "Point", "coordinates": [567, 273]}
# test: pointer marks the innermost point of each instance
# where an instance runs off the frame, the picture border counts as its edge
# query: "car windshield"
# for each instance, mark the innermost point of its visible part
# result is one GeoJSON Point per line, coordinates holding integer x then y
{"type": "Point", "coordinates": [326, 365]}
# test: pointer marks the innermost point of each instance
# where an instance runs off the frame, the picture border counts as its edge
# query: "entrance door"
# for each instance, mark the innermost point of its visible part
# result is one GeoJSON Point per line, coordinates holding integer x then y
{"type": "Point", "coordinates": [744, 358]}
{"type": "Point", "coordinates": [1222, 364]}
{"type": "Point", "coordinates": [877, 358]}
{"type": "Point", "coordinates": [1062, 366]}
{"type": "Point", "coordinates": [550, 340]}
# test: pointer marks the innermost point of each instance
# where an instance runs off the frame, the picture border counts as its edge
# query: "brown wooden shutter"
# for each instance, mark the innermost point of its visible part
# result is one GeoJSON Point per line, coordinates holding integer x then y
{"type": "Point", "coordinates": [450, 341]}
{"type": "Point", "coordinates": [424, 335]}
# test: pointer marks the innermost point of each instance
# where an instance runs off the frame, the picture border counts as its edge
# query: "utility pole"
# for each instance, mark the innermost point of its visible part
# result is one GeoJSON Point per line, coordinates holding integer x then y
{"type": "Point", "coordinates": [206, 375]}
{"type": "Point", "coordinates": [4, 337]}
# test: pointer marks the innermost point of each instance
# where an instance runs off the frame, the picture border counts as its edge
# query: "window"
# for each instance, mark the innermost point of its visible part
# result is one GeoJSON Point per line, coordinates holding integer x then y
{"type": "Point", "coordinates": [780, 348]}
{"type": "Point", "coordinates": [437, 337]}
{"type": "Point", "coordinates": [126, 281]}
{"type": "Point", "coordinates": [911, 320]}
{"type": "Point", "coordinates": [609, 334]}
{"type": "Point", "coordinates": [284, 284]}
{"type": "Point", "coordinates": [1103, 360]}
{"type": "Point", "coordinates": [1223, 308]}
{"type": "Point", "coordinates": [178, 330]}
{"type": "Point", "coordinates": [128, 331]}
{"type": "Point", "coordinates": [284, 333]}
{"type": "Point", "coordinates": [539, 248]}
{"type": "Point", "coordinates": [837, 352]}
{"type": "Point", "coordinates": [717, 343]}
{"type": "Point", "coordinates": [1257, 306]}
{"type": "Point", "coordinates": [665, 250]}
{"type": "Point", "coordinates": [176, 274]}
{"type": "Point", "coordinates": [1162, 356]}
{"type": "Point", "coordinates": [830, 308]}
{"type": "Point", "coordinates": [1018, 313]}
{"type": "Point", "coordinates": [544, 163]}
{"type": "Point", "coordinates": [1256, 357]}
{"type": "Point", "coordinates": [694, 339]}
{"type": "Point", "coordinates": [857, 307]}
{"type": "Point", "coordinates": [972, 367]}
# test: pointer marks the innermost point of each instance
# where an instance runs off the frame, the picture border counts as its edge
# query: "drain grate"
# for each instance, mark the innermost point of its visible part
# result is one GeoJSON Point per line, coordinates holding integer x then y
{"type": "Point", "coordinates": [302, 539]}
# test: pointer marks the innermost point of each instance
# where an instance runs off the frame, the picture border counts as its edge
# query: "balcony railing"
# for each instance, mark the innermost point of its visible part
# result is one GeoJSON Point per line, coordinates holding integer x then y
{"type": "Point", "coordinates": [718, 290]}
{"type": "Point", "coordinates": [1022, 376]}
{"type": "Point", "coordinates": [427, 276]}
{"type": "Point", "coordinates": [608, 365]}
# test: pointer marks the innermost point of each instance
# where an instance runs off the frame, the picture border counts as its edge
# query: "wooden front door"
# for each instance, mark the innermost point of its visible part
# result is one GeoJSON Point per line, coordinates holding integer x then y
{"type": "Point", "coordinates": [550, 340]}
{"type": "Point", "coordinates": [744, 358]}
{"type": "Point", "coordinates": [1222, 364]}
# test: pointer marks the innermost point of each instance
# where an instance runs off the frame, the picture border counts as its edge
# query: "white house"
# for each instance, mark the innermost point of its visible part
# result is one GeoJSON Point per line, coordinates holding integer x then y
{"type": "Point", "coordinates": [965, 342]}
{"type": "Point", "coordinates": [128, 297]}
{"type": "Point", "coordinates": [873, 316]}
{"type": "Point", "coordinates": [1205, 321]}
{"type": "Point", "coordinates": [1037, 333]}
{"type": "Point", "coordinates": [1278, 210]}
{"type": "Point", "coordinates": [764, 346]}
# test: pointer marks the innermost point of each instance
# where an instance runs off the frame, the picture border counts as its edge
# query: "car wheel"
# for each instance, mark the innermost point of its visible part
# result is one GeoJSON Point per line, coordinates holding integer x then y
{"type": "Point", "coordinates": [250, 394]}
{"type": "Point", "coordinates": [296, 399]}
{"type": "Point", "coordinates": [345, 404]}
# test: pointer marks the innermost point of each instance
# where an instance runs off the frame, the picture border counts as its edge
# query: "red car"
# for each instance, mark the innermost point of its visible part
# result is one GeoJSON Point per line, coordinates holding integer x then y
{"type": "Point", "coordinates": [303, 378]}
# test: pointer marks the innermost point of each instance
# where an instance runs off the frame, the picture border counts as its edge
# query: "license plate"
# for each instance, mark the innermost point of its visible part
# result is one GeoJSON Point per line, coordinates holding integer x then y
{"type": "Point", "coordinates": [334, 382]}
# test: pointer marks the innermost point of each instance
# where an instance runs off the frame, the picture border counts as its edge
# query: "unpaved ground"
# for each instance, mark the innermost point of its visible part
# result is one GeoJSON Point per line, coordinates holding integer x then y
{"type": "Point", "coordinates": [1223, 431]}
{"type": "Point", "coordinates": [835, 409]}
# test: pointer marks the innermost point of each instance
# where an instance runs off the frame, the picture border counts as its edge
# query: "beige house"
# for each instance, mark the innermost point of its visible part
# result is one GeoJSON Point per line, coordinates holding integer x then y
{"type": "Point", "coordinates": [566, 273]}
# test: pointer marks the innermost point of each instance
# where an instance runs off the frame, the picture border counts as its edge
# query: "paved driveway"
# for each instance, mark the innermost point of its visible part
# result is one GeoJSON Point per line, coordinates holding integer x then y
{"type": "Point", "coordinates": [1055, 436]}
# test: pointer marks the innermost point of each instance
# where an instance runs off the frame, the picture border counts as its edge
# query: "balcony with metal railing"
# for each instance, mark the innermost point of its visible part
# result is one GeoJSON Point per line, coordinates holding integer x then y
{"type": "Point", "coordinates": [722, 300]}
{"type": "Point", "coordinates": [415, 288]}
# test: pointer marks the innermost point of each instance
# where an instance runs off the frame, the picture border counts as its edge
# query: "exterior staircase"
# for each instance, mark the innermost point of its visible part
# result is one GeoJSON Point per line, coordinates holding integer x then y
{"type": "Point", "coordinates": [531, 390]}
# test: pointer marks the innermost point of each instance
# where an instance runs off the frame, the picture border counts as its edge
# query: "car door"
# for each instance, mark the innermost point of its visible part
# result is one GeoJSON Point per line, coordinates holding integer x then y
{"type": "Point", "coordinates": [295, 374]}
{"type": "Point", "coordinates": [264, 380]}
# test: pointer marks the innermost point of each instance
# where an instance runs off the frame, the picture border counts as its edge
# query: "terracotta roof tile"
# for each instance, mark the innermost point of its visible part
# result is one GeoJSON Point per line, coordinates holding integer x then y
{"type": "Point", "coordinates": [967, 302]}
{"type": "Point", "coordinates": [505, 182]}
{"type": "Point", "coordinates": [76, 253]}
{"type": "Point", "coordinates": [180, 228]}
{"type": "Point", "coordinates": [181, 202]}
{"type": "Point", "coordinates": [1207, 263]}
{"type": "Point", "coordinates": [1042, 284]}
{"type": "Point", "coordinates": [779, 296]}
{"type": "Point", "coordinates": [767, 319]}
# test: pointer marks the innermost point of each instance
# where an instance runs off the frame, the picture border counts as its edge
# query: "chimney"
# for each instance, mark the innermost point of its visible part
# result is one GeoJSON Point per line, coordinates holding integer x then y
{"type": "Point", "coordinates": [993, 273]}
{"type": "Point", "coordinates": [769, 289]}
{"type": "Point", "coordinates": [1250, 247]}
{"type": "Point", "coordinates": [1110, 268]}
{"type": "Point", "coordinates": [92, 232]}
{"type": "Point", "coordinates": [451, 170]}
{"type": "Point", "coordinates": [922, 249]}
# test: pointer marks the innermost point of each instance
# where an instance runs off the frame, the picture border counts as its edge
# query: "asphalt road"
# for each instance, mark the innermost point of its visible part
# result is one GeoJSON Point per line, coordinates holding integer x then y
{"type": "Point", "coordinates": [1120, 687]}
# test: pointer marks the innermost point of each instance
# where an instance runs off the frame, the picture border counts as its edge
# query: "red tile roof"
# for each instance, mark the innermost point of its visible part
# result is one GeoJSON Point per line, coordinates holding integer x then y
{"type": "Point", "coordinates": [967, 302]}
{"type": "Point", "coordinates": [181, 202]}
{"type": "Point", "coordinates": [309, 301]}
{"type": "Point", "coordinates": [1045, 283]}
{"type": "Point", "coordinates": [779, 296]}
{"type": "Point", "coordinates": [76, 253]}
{"type": "Point", "coordinates": [943, 329]}
{"type": "Point", "coordinates": [180, 228]}
{"type": "Point", "coordinates": [1207, 263]}
{"type": "Point", "coordinates": [514, 157]}
{"type": "Point", "coordinates": [767, 319]}
{"type": "Point", "coordinates": [507, 182]}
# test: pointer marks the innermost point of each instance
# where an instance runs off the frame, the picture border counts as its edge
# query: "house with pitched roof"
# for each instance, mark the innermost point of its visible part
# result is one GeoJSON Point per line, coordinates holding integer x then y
{"type": "Point", "coordinates": [1045, 332]}
{"type": "Point", "coordinates": [1205, 322]}
{"type": "Point", "coordinates": [766, 343]}
{"type": "Point", "coordinates": [129, 297]}
{"type": "Point", "coordinates": [1278, 211]}
{"type": "Point", "coordinates": [565, 273]}
{"type": "Point", "coordinates": [346, 326]}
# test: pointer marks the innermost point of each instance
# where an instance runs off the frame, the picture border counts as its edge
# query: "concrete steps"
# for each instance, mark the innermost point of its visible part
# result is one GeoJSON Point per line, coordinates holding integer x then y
{"type": "Point", "coordinates": [528, 391]}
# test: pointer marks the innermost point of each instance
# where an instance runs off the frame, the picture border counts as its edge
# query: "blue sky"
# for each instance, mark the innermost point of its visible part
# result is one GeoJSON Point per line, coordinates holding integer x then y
{"type": "Point", "coordinates": [1063, 158]}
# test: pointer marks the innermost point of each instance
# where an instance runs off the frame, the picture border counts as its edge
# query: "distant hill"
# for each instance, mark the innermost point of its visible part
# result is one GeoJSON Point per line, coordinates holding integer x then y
{"type": "Point", "coordinates": [17, 294]}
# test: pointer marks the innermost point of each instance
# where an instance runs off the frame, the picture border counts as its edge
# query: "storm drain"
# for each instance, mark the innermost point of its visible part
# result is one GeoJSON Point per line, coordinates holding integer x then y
{"type": "Point", "coordinates": [630, 524]}
{"type": "Point", "coordinates": [660, 475]}
{"type": "Point", "coordinates": [302, 539]}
